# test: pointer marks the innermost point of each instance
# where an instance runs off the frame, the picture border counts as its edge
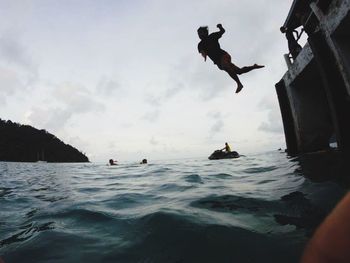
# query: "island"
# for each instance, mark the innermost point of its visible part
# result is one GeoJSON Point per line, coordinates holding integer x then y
{"type": "Point", "coordinates": [24, 143]}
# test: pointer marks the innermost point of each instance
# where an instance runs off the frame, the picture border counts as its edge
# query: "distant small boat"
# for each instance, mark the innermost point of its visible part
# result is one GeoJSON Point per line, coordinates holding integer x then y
{"type": "Point", "coordinates": [41, 160]}
{"type": "Point", "coordinates": [218, 154]}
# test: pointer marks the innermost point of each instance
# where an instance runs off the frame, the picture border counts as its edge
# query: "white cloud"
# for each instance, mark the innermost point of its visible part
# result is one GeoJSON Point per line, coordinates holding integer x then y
{"type": "Point", "coordinates": [153, 141]}
{"type": "Point", "coordinates": [13, 52]}
{"type": "Point", "coordinates": [51, 119]}
{"type": "Point", "coordinates": [151, 116]}
{"type": "Point", "coordinates": [153, 100]}
{"type": "Point", "coordinates": [217, 122]}
{"type": "Point", "coordinates": [9, 83]}
{"type": "Point", "coordinates": [108, 87]}
{"type": "Point", "coordinates": [273, 123]}
{"type": "Point", "coordinates": [205, 79]}
{"type": "Point", "coordinates": [18, 71]}
{"type": "Point", "coordinates": [76, 98]}
{"type": "Point", "coordinates": [73, 99]}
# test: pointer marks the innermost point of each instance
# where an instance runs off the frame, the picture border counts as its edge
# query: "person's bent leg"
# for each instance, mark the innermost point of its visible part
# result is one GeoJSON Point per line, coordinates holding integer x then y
{"type": "Point", "coordinates": [234, 76]}
{"type": "Point", "coordinates": [230, 68]}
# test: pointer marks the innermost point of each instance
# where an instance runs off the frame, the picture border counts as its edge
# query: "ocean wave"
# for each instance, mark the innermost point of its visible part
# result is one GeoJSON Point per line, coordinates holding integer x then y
{"type": "Point", "coordinates": [260, 169]}
{"type": "Point", "coordinates": [5, 191]}
{"type": "Point", "coordinates": [81, 216]}
{"type": "Point", "coordinates": [172, 187]}
{"type": "Point", "coordinates": [129, 200]}
{"type": "Point", "coordinates": [221, 175]}
{"type": "Point", "coordinates": [174, 237]}
{"type": "Point", "coordinates": [193, 178]}
{"type": "Point", "coordinates": [257, 209]}
{"type": "Point", "coordinates": [26, 232]}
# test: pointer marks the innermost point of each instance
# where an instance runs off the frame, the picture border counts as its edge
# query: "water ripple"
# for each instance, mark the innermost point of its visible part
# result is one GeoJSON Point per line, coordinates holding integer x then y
{"type": "Point", "coordinates": [190, 210]}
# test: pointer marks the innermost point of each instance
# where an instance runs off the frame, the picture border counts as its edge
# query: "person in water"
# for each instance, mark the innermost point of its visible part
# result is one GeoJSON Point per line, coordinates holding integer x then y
{"type": "Point", "coordinates": [144, 161]}
{"type": "Point", "coordinates": [227, 148]}
{"type": "Point", "coordinates": [209, 46]}
{"type": "Point", "coordinates": [112, 162]}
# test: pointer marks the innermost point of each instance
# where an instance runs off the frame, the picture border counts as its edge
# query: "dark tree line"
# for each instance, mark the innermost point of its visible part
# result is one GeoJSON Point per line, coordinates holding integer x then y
{"type": "Point", "coordinates": [24, 143]}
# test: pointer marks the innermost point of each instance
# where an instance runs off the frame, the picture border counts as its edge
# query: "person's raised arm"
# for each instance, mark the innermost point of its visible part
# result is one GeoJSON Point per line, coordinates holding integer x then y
{"type": "Point", "coordinates": [222, 30]}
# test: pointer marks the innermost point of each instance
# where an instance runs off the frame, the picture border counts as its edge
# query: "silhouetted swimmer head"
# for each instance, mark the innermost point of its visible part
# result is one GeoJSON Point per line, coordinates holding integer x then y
{"type": "Point", "coordinates": [144, 161]}
{"type": "Point", "coordinates": [112, 162]}
{"type": "Point", "coordinates": [203, 32]}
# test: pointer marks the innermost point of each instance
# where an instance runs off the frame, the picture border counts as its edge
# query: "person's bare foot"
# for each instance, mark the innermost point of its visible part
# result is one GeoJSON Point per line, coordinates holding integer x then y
{"type": "Point", "coordinates": [239, 88]}
{"type": "Point", "coordinates": [258, 66]}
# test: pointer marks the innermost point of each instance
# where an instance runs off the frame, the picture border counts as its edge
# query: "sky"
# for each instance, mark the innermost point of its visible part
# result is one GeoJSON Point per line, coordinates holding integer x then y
{"type": "Point", "coordinates": [124, 80]}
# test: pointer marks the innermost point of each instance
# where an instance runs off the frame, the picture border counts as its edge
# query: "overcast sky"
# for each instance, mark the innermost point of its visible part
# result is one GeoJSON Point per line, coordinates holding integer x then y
{"type": "Point", "coordinates": [123, 78]}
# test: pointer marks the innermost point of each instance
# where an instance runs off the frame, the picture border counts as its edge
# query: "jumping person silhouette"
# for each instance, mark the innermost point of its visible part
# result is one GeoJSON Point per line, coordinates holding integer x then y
{"type": "Point", "coordinates": [209, 46]}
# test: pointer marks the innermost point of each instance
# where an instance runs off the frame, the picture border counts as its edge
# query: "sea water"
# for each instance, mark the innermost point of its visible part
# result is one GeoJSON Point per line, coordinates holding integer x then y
{"type": "Point", "coordinates": [258, 208]}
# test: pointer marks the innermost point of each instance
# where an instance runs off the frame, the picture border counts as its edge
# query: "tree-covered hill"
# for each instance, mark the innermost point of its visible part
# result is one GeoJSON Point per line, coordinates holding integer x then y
{"type": "Point", "coordinates": [23, 143]}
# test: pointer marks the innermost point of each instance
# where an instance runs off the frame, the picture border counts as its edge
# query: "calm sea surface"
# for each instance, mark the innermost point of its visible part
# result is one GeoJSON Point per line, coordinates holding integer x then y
{"type": "Point", "coordinates": [259, 208]}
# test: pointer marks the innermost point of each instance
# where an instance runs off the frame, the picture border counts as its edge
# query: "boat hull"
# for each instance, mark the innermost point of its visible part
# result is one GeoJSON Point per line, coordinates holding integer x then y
{"type": "Point", "coordinates": [223, 155]}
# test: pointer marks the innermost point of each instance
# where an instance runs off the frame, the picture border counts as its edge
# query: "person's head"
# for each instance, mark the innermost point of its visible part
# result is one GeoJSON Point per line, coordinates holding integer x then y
{"type": "Point", "coordinates": [283, 29]}
{"type": "Point", "coordinates": [144, 161]}
{"type": "Point", "coordinates": [111, 162]}
{"type": "Point", "coordinates": [226, 143]}
{"type": "Point", "coordinates": [203, 32]}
